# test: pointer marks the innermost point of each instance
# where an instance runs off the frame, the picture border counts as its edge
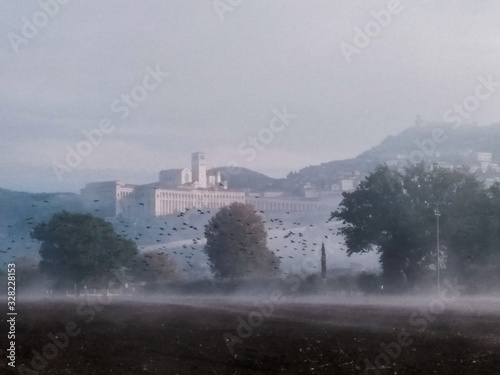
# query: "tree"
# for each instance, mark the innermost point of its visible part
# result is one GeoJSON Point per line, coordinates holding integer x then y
{"type": "Point", "coordinates": [323, 262]}
{"type": "Point", "coordinates": [369, 282]}
{"type": "Point", "coordinates": [477, 242]}
{"type": "Point", "coordinates": [154, 268]}
{"type": "Point", "coordinates": [393, 213]}
{"type": "Point", "coordinates": [28, 273]}
{"type": "Point", "coordinates": [237, 244]}
{"type": "Point", "coordinates": [79, 248]}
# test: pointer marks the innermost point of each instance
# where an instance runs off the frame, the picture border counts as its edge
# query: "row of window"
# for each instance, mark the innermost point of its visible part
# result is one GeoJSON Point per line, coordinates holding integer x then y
{"type": "Point", "coordinates": [167, 207]}
{"type": "Point", "coordinates": [122, 194]}
{"type": "Point", "coordinates": [200, 196]}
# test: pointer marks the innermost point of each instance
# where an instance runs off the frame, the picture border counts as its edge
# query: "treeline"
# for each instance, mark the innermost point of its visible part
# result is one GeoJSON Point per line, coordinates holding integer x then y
{"type": "Point", "coordinates": [80, 252]}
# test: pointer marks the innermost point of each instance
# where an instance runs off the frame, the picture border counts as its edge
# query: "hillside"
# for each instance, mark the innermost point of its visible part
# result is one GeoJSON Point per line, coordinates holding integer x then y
{"type": "Point", "coordinates": [459, 148]}
{"type": "Point", "coordinates": [243, 178]}
{"type": "Point", "coordinates": [20, 211]}
{"type": "Point", "coordinates": [17, 206]}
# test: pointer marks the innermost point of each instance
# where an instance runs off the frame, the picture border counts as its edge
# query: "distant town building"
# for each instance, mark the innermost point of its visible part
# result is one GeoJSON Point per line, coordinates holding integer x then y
{"type": "Point", "coordinates": [285, 204]}
{"type": "Point", "coordinates": [348, 184]}
{"type": "Point", "coordinates": [149, 200]}
{"type": "Point", "coordinates": [484, 157]}
{"type": "Point", "coordinates": [272, 194]}
{"type": "Point", "coordinates": [181, 189]}
{"type": "Point", "coordinates": [199, 169]}
{"type": "Point", "coordinates": [105, 198]}
{"type": "Point", "coordinates": [310, 192]}
{"type": "Point", "coordinates": [484, 160]}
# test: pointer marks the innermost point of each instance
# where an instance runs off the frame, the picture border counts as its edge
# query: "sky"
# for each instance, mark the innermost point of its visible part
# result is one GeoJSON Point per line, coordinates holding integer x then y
{"type": "Point", "coordinates": [263, 84]}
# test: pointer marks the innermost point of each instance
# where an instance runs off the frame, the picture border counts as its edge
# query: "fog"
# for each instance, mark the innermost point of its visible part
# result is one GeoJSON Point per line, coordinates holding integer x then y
{"type": "Point", "coordinates": [228, 75]}
{"type": "Point", "coordinates": [322, 104]}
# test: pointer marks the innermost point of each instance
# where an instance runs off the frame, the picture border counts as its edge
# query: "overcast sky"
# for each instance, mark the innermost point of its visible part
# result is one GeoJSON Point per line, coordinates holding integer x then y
{"type": "Point", "coordinates": [226, 78]}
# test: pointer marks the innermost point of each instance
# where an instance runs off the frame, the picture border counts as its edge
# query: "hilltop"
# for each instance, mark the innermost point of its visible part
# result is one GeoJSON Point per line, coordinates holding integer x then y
{"type": "Point", "coordinates": [460, 147]}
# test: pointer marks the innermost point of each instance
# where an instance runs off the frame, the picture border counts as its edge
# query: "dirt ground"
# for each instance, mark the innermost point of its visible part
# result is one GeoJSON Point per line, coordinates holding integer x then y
{"type": "Point", "coordinates": [176, 337]}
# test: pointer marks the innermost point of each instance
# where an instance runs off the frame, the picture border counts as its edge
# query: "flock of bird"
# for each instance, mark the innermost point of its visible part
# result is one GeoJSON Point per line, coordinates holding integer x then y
{"type": "Point", "coordinates": [13, 241]}
{"type": "Point", "coordinates": [156, 238]}
{"type": "Point", "coordinates": [287, 246]}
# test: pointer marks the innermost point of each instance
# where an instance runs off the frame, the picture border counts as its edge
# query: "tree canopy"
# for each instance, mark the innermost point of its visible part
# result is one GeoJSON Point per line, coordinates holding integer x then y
{"type": "Point", "coordinates": [237, 244]}
{"type": "Point", "coordinates": [79, 248]}
{"type": "Point", "coordinates": [394, 213]}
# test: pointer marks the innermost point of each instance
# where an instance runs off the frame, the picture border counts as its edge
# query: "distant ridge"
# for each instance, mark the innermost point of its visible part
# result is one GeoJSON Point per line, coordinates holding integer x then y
{"type": "Point", "coordinates": [17, 206]}
{"type": "Point", "coordinates": [243, 178]}
{"type": "Point", "coordinates": [459, 148]}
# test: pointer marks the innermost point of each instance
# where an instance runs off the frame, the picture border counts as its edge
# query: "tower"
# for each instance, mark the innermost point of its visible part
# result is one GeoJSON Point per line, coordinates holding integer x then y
{"type": "Point", "coordinates": [323, 263]}
{"type": "Point", "coordinates": [199, 168]}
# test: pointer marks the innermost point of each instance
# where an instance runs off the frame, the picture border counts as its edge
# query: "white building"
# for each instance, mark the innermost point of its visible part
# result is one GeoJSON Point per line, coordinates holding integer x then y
{"type": "Point", "coordinates": [309, 191]}
{"type": "Point", "coordinates": [105, 198]}
{"type": "Point", "coordinates": [484, 159]}
{"type": "Point", "coordinates": [148, 200]}
{"type": "Point", "coordinates": [176, 190]}
{"type": "Point", "coordinates": [181, 189]}
{"type": "Point", "coordinates": [285, 204]}
{"type": "Point", "coordinates": [348, 184]}
{"type": "Point", "coordinates": [199, 169]}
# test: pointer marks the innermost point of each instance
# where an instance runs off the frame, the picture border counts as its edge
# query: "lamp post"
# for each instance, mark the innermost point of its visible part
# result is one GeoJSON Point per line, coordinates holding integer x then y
{"type": "Point", "coordinates": [437, 213]}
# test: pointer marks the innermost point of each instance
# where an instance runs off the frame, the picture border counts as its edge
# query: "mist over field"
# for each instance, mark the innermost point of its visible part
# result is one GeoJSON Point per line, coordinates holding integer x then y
{"type": "Point", "coordinates": [249, 187]}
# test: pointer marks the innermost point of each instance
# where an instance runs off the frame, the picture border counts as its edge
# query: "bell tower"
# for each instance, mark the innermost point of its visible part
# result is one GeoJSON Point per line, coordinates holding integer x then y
{"type": "Point", "coordinates": [199, 168]}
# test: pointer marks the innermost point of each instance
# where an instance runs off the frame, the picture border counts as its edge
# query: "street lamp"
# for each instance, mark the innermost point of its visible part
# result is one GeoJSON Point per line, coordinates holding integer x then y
{"type": "Point", "coordinates": [437, 213]}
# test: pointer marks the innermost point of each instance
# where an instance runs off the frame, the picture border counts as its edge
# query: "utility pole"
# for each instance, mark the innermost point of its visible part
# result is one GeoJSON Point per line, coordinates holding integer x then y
{"type": "Point", "coordinates": [437, 213]}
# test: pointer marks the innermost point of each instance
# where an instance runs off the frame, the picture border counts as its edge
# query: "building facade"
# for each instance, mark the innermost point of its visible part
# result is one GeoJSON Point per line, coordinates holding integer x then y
{"type": "Point", "coordinates": [199, 169]}
{"type": "Point", "coordinates": [181, 189]}
{"type": "Point", "coordinates": [284, 204]}
{"type": "Point", "coordinates": [151, 201]}
{"type": "Point", "coordinates": [105, 199]}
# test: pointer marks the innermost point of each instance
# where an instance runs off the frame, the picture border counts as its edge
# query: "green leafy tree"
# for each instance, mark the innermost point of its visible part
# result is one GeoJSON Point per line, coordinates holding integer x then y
{"type": "Point", "coordinates": [493, 227]}
{"type": "Point", "coordinates": [237, 244]}
{"type": "Point", "coordinates": [477, 242]}
{"type": "Point", "coordinates": [78, 248]}
{"type": "Point", "coordinates": [393, 213]}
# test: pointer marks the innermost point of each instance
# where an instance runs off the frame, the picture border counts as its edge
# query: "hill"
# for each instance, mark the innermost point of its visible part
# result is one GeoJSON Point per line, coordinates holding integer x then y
{"type": "Point", "coordinates": [18, 206]}
{"type": "Point", "coordinates": [456, 147]}
{"type": "Point", "coordinates": [20, 211]}
{"type": "Point", "coordinates": [244, 179]}
{"type": "Point", "coordinates": [459, 146]}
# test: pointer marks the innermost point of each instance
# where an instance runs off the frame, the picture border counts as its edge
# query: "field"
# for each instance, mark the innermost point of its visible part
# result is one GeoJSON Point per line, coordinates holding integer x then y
{"type": "Point", "coordinates": [173, 335]}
